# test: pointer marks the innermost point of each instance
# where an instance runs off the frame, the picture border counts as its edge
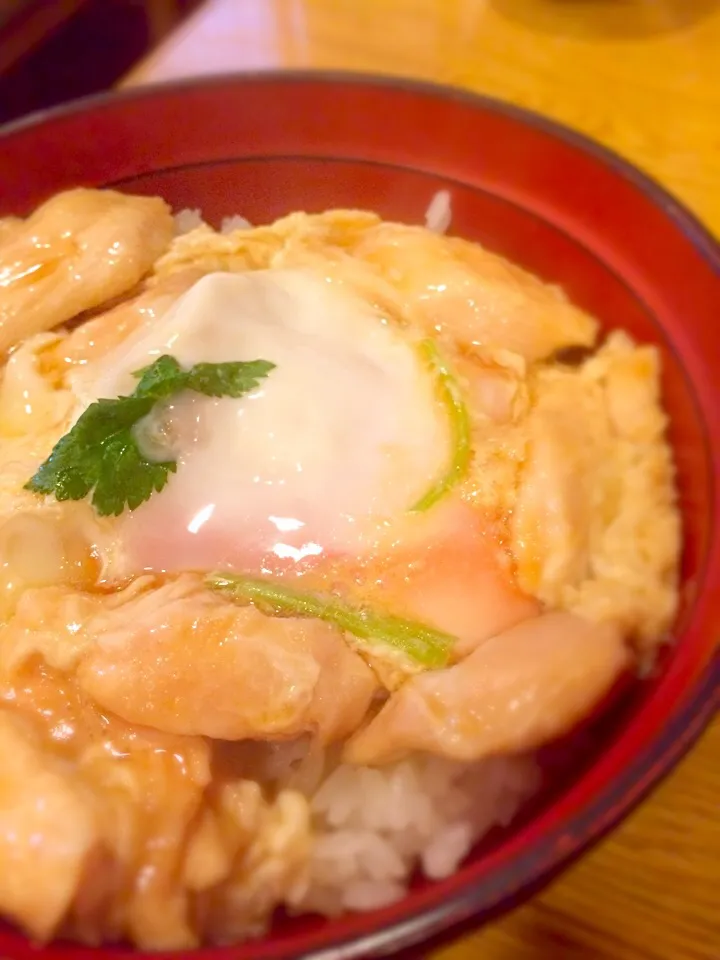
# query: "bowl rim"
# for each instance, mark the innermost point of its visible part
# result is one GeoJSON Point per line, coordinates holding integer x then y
{"type": "Point", "coordinates": [690, 223]}
{"type": "Point", "coordinates": [548, 855]}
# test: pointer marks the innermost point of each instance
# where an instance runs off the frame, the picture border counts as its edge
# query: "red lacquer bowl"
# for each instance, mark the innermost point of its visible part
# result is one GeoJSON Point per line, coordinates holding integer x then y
{"type": "Point", "coordinates": [563, 207]}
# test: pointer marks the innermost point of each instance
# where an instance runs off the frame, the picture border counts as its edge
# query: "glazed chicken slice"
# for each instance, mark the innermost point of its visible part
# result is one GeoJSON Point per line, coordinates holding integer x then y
{"type": "Point", "coordinates": [514, 693]}
{"type": "Point", "coordinates": [78, 250]}
{"type": "Point", "coordinates": [182, 660]}
{"type": "Point", "coordinates": [88, 344]}
{"type": "Point", "coordinates": [472, 296]}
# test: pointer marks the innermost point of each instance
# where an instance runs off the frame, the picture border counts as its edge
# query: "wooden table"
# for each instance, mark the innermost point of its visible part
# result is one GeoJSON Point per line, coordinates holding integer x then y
{"type": "Point", "coordinates": [644, 77]}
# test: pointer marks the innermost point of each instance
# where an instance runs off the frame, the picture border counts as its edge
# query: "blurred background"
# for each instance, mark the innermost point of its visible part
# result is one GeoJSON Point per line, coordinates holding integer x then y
{"type": "Point", "coordinates": [54, 50]}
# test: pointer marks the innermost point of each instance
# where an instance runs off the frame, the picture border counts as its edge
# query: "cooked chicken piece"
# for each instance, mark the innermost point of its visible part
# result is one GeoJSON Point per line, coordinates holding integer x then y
{"type": "Point", "coordinates": [48, 621]}
{"type": "Point", "coordinates": [48, 831]}
{"type": "Point", "coordinates": [183, 660]}
{"type": "Point", "coordinates": [474, 297]}
{"type": "Point", "coordinates": [90, 342]}
{"type": "Point", "coordinates": [514, 693]}
{"type": "Point", "coordinates": [76, 251]}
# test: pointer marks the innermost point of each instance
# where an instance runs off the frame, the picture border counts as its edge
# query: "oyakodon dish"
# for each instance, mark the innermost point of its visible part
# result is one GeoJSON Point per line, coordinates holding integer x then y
{"type": "Point", "coordinates": [309, 539]}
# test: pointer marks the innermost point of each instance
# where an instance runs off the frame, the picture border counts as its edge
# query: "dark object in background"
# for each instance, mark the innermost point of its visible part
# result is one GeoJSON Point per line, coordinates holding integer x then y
{"type": "Point", "coordinates": [55, 50]}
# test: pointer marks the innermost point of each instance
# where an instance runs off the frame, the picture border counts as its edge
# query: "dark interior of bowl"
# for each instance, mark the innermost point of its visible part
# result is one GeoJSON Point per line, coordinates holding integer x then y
{"type": "Point", "coordinates": [537, 196]}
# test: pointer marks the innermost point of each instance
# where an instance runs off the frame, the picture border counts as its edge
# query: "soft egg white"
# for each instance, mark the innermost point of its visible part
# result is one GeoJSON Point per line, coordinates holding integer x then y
{"type": "Point", "coordinates": [343, 435]}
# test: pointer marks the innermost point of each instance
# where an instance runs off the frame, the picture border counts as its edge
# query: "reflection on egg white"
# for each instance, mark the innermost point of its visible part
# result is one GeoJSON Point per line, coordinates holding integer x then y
{"type": "Point", "coordinates": [201, 518]}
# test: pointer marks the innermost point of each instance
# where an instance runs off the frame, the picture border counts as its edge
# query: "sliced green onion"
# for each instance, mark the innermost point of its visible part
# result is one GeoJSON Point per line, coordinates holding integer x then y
{"type": "Point", "coordinates": [450, 395]}
{"type": "Point", "coordinates": [427, 647]}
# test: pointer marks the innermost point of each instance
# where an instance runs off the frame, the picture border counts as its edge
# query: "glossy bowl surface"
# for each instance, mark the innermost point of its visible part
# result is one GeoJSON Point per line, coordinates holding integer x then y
{"type": "Point", "coordinates": [263, 145]}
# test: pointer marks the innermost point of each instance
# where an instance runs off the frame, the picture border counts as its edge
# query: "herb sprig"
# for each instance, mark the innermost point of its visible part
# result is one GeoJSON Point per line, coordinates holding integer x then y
{"type": "Point", "coordinates": [100, 454]}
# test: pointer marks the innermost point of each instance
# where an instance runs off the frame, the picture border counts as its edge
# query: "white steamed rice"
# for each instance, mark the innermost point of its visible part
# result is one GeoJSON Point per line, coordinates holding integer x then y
{"type": "Point", "coordinates": [438, 217]}
{"type": "Point", "coordinates": [373, 827]}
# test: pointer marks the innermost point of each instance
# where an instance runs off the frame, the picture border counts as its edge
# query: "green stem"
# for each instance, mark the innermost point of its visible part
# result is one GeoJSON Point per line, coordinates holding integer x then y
{"type": "Point", "coordinates": [450, 395]}
{"type": "Point", "coordinates": [428, 647]}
